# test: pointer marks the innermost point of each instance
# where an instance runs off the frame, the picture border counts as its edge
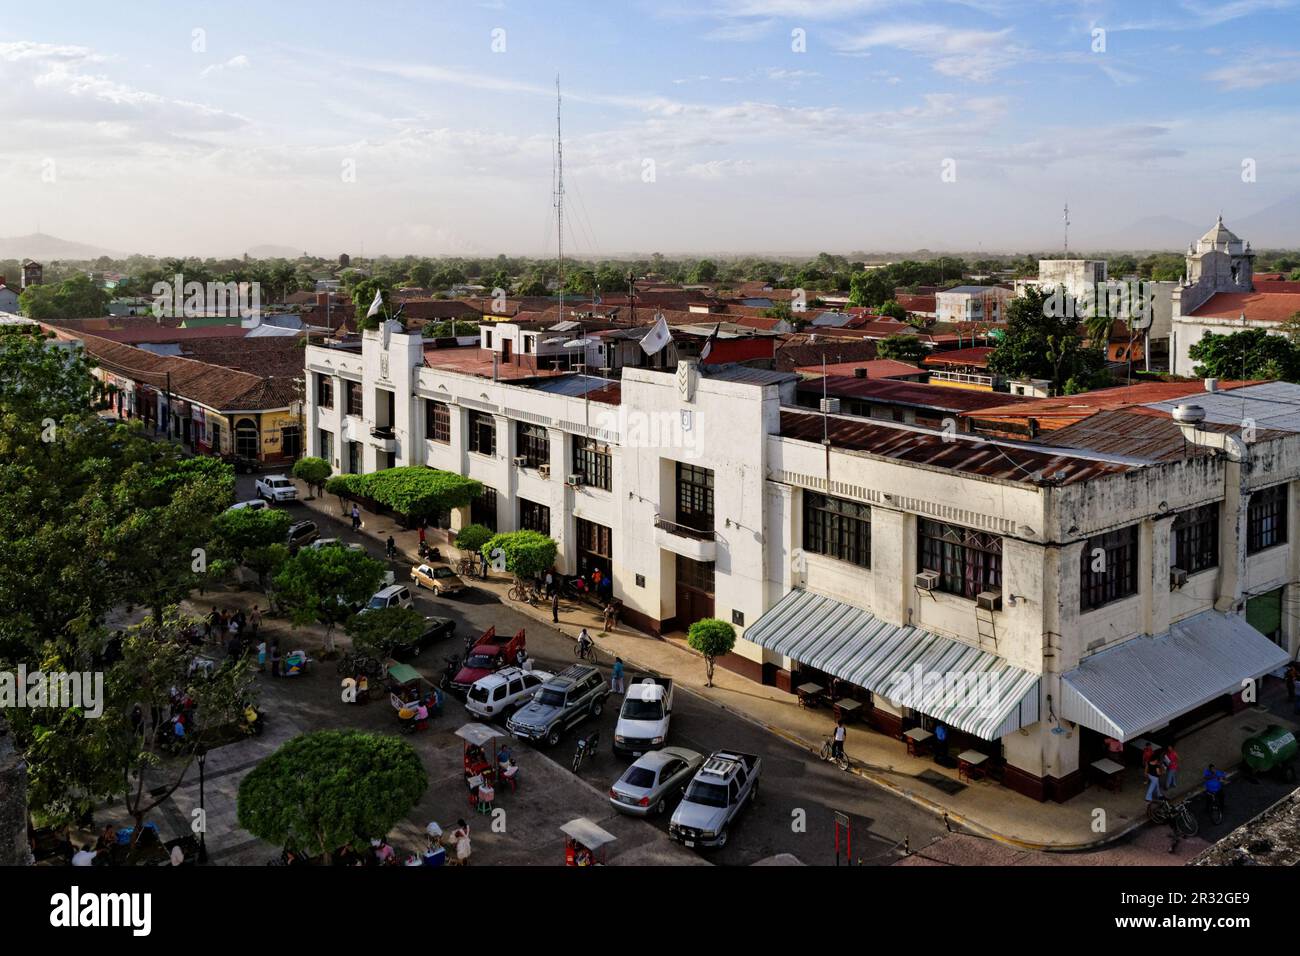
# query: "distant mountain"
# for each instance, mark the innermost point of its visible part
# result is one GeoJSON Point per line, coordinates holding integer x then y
{"type": "Point", "coordinates": [1274, 226]}
{"type": "Point", "coordinates": [269, 251]}
{"type": "Point", "coordinates": [1154, 233]}
{"type": "Point", "coordinates": [45, 248]}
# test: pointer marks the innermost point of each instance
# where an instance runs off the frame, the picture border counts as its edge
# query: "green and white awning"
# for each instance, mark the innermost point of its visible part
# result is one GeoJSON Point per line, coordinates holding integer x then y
{"type": "Point", "coordinates": [962, 686]}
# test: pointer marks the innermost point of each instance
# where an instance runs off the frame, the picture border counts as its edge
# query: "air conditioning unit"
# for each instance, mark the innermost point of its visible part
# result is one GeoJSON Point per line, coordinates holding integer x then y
{"type": "Point", "coordinates": [521, 461]}
{"type": "Point", "coordinates": [927, 580]}
{"type": "Point", "coordinates": [544, 471]}
{"type": "Point", "coordinates": [574, 481]}
{"type": "Point", "coordinates": [989, 601]}
{"type": "Point", "coordinates": [1177, 578]}
{"type": "Point", "coordinates": [831, 406]}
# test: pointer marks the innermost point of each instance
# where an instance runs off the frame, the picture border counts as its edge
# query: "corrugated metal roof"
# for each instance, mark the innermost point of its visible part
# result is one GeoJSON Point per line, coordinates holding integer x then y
{"type": "Point", "coordinates": [746, 375]}
{"type": "Point", "coordinates": [572, 385]}
{"type": "Point", "coordinates": [1145, 682]}
{"type": "Point", "coordinates": [1002, 460]}
{"type": "Point", "coordinates": [1268, 405]}
{"type": "Point", "coordinates": [970, 689]}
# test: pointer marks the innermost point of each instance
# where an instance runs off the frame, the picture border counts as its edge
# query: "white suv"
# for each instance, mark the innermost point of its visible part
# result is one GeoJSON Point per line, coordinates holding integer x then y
{"type": "Point", "coordinates": [397, 595]}
{"type": "Point", "coordinates": [509, 687]}
{"type": "Point", "coordinates": [276, 488]}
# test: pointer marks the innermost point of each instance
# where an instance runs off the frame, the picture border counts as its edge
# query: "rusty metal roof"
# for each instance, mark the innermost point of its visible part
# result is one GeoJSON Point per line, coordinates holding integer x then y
{"type": "Point", "coordinates": [1005, 461]}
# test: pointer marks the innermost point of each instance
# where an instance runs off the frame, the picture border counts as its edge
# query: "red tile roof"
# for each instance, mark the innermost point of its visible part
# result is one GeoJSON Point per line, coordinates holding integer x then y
{"type": "Point", "coordinates": [1257, 306]}
{"type": "Point", "coordinates": [977, 357]}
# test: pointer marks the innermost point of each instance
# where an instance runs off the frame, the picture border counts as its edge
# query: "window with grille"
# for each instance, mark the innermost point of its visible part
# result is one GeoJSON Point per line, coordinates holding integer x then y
{"type": "Point", "coordinates": [483, 509]}
{"type": "Point", "coordinates": [837, 528]}
{"type": "Point", "coordinates": [593, 538]}
{"type": "Point", "coordinates": [534, 517]}
{"type": "Point", "coordinates": [592, 460]}
{"type": "Point", "coordinates": [1196, 538]}
{"type": "Point", "coordinates": [1108, 568]}
{"type": "Point", "coordinates": [1266, 518]}
{"type": "Point", "coordinates": [968, 561]}
{"type": "Point", "coordinates": [325, 391]}
{"type": "Point", "coordinates": [534, 443]}
{"type": "Point", "coordinates": [355, 403]}
{"type": "Point", "coordinates": [695, 574]}
{"type": "Point", "coordinates": [437, 421]}
{"type": "Point", "coordinates": [482, 433]}
{"type": "Point", "coordinates": [694, 497]}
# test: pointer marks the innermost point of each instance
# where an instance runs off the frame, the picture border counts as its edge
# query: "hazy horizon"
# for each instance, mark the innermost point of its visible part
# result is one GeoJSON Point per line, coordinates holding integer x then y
{"type": "Point", "coordinates": [724, 128]}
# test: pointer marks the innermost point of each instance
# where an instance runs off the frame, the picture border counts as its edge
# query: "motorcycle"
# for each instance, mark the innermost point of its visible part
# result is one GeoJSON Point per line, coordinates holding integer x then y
{"type": "Point", "coordinates": [253, 721]}
{"type": "Point", "coordinates": [585, 749]}
{"type": "Point", "coordinates": [449, 672]}
{"type": "Point", "coordinates": [429, 554]}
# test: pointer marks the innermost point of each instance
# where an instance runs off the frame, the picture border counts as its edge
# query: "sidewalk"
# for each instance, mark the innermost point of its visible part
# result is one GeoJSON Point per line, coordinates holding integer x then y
{"type": "Point", "coordinates": [985, 807]}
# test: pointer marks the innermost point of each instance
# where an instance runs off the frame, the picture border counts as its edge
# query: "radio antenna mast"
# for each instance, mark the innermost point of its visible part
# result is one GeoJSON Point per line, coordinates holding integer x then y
{"type": "Point", "coordinates": [559, 192]}
{"type": "Point", "coordinates": [1067, 230]}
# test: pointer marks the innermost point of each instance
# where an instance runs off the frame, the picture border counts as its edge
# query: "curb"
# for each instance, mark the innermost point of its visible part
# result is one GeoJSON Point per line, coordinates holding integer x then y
{"type": "Point", "coordinates": [937, 809]}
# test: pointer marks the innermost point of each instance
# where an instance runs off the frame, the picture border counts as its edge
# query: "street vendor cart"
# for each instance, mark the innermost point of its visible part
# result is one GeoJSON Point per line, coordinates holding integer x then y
{"type": "Point", "coordinates": [585, 843]}
{"type": "Point", "coordinates": [408, 692]}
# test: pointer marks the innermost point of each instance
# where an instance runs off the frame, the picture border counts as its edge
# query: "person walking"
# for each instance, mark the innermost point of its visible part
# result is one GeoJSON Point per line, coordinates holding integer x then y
{"type": "Point", "coordinates": [261, 657]}
{"type": "Point", "coordinates": [550, 583]}
{"type": "Point", "coordinates": [483, 563]}
{"type": "Point", "coordinates": [422, 534]}
{"type": "Point", "coordinates": [555, 606]}
{"type": "Point", "coordinates": [1154, 768]}
{"type": "Point", "coordinates": [616, 677]}
{"type": "Point", "coordinates": [1171, 767]}
{"type": "Point", "coordinates": [837, 748]}
{"type": "Point", "coordinates": [275, 657]}
{"type": "Point", "coordinates": [255, 621]}
{"type": "Point", "coordinates": [356, 518]}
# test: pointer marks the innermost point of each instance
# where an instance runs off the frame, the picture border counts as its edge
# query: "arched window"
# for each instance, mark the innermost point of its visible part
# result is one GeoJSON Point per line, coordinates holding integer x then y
{"type": "Point", "coordinates": [246, 438]}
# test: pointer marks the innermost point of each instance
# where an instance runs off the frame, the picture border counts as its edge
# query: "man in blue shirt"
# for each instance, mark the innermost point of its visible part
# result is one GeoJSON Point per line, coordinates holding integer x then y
{"type": "Point", "coordinates": [1214, 780]}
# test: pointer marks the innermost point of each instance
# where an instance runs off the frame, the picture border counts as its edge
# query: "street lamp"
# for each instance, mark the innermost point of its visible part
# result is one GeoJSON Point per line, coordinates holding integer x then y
{"type": "Point", "coordinates": [203, 815]}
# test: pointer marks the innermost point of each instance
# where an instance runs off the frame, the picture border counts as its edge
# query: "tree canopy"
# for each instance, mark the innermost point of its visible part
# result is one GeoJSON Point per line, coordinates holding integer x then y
{"type": "Point", "coordinates": [1248, 354]}
{"type": "Point", "coordinates": [418, 492]}
{"type": "Point", "coordinates": [526, 554]}
{"type": "Point", "coordinates": [712, 638]}
{"type": "Point", "coordinates": [902, 348]}
{"type": "Point", "coordinates": [1036, 343]}
{"type": "Point", "coordinates": [326, 790]}
{"type": "Point", "coordinates": [323, 585]}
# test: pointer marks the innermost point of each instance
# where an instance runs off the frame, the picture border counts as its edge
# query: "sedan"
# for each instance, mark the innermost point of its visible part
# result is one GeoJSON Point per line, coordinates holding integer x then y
{"type": "Point", "coordinates": [441, 579]}
{"type": "Point", "coordinates": [435, 629]}
{"type": "Point", "coordinates": [647, 786]}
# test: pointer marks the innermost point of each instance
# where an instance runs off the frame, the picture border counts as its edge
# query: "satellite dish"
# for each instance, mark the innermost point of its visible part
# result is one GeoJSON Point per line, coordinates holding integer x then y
{"type": "Point", "coordinates": [579, 343]}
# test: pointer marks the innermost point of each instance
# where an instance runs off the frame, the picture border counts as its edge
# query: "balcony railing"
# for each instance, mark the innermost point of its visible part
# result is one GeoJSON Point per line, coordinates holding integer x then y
{"type": "Point", "coordinates": [672, 527]}
{"type": "Point", "coordinates": [383, 431]}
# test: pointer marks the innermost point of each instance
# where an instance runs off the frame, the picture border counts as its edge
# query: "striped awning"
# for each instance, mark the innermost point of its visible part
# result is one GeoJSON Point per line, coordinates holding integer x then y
{"type": "Point", "coordinates": [1145, 682]}
{"type": "Point", "coordinates": [962, 686]}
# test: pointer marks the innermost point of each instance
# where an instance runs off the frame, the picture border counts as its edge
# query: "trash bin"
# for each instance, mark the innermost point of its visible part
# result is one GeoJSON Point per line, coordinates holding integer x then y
{"type": "Point", "coordinates": [1273, 749]}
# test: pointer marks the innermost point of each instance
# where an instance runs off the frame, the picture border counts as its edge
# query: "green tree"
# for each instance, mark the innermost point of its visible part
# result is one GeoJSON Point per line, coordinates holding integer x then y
{"type": "Point", "coordinates": [323, 791]}
{"type": "Point", "coordinates": [418, 492]}
{"type": "Point", "coordinates": [705, 271]}
{"type": "Point", "coordinates": [381, 631]}
{"type": "Point", "coordinates": [313, 471]}
{"type": "Point", "coordinates": [323, 585]}
{"type": "Point", "coordinates": [525, 554]}
{"type": "Point", "coordinates": [421, 274]}
{"type": "Point", "coordinates": [870, 288]}
{"type": "Point", "coordinates": [1040, 343]}
{"type": "Point", "coordinates": [345, 486]}
{"type": "Point", "coordinates": [902, 348]}
{"type": "Point", "coordinates": [252, 537]}
{"type": "Point", "coordinates": [363, 295]}
{"type": "Point", "coordinates": [712, 638]}
{"type": "Point", "coordinates": [77, 297]}
{"type": "Point", "coordinates": [1248, 354]}
{"type": "Point", "coordinates": [472, 537]}
{"type": "Point", "coordinates": [892, 309]}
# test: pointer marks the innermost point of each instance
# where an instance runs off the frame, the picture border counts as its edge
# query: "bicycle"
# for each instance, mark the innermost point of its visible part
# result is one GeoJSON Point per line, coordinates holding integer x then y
{"type": "Point", "coordinates": [353, 664]}
{"type": "Point", "coordinates": [465, 567]}
{"type": "Point", "coordinates": [585, 651]}
{"type": "Point", "coordinates": [523, 592]}
{"type": "Point", "coordinates": [828, 753]}
{"type": "Point", "coordinates": [586, 747]}
{"type": "Point", "coordinates": [1177, 815]}
{"type": "Point", "coordinates": [1215, 800]}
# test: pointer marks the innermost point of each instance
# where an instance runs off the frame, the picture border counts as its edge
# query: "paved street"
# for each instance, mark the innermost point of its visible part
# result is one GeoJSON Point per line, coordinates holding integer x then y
{"type": "Point", "coordinates": [794, 812]}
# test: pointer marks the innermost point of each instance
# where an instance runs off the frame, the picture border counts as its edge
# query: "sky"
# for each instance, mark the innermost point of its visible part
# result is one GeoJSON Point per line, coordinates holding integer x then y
{"type": "Point", "coordinates": [690, 126]}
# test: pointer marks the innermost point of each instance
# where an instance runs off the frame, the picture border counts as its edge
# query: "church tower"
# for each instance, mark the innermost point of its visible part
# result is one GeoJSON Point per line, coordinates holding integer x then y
{"type": "Point", "coordinates": [1216, 262]}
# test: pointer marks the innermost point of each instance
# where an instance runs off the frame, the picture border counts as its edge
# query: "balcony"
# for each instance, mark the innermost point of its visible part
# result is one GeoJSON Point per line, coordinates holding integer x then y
{"type": "Point", "coordinates": [383, 437]}
{"type": "Point", "coordinates": [688, 542]}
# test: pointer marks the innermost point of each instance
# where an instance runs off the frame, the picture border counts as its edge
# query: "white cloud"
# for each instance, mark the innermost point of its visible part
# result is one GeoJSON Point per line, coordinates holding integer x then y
{"type": "Point", "coordinates": [240, 62]}
{"type": "Point", "coordinates": [962, 53]}
{"type": "Point", "coordinates": [1256, 72]}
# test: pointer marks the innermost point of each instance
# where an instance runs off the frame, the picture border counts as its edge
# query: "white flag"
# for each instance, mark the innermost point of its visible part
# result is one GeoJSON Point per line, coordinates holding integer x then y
{"type": "Point", "coordinates": [657, 337]}
{"type": "Point", "coordinates": [376, 305]}
{"type": "Point", "coordinates": [708, 343]}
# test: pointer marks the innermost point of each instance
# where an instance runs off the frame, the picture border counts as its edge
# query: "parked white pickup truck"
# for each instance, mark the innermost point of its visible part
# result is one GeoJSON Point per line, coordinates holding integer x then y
{"type": "Point", "coordinates": [643, 722]}
{"type": "Point", "coordinates": [276, 488]}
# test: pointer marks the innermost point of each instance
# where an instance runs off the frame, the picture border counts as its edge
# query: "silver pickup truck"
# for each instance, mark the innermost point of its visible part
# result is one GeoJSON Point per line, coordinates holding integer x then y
{"type": "Point", "coordinates": [726, 783]}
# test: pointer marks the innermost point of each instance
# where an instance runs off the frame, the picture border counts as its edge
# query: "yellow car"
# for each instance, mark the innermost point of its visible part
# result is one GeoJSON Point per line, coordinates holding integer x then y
{"type": "Point", "coordinates": [438, 578]}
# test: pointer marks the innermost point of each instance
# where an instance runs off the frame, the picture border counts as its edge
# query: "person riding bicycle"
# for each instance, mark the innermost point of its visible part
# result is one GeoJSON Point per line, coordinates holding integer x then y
{"type": "Point", "coordinates": [585, 643]}
{"type": "Point", "coordinates": [391, 547]}
{"type": "Point", "coordinates": [1214, 780]}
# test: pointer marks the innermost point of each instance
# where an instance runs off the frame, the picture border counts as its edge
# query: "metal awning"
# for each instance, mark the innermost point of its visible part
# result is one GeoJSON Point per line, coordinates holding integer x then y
{"type": "Point", "coordinates": [969, 689]}
{"type": "Point", "coordinates": [590, 835]}
{"type": "Point", "coordinates": [479, 735]}
{"type": "Point", "coordinates": [1147, 681]}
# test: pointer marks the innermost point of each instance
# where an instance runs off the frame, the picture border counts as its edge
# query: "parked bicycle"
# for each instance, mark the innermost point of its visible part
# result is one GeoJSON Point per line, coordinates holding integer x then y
{"type": "Point", "coordinates": [466, 567]}
{"type": "Point", "coordinates": [586, 749]}
{"type": "Point", "coordinates": [1177, 815]}
{"type": "Point", "coordinates": [352, 664]}
{"type": "Point", "coordinates": [828, 753]}
{"type": "Point", "coordinates": [522, 591]}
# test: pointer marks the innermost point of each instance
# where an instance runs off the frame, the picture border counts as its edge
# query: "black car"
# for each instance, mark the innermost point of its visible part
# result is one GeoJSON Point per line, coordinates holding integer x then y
{"type": "Point", "coordinates": [242, 465]}
{"type": "Point", "coordinates": [435, 629]}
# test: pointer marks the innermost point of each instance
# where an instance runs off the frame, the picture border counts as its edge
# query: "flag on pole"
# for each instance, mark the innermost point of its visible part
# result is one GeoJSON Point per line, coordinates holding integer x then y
{"type": "Point", "coordinates": [376, 305]}
{"type": "Point", "coordinates": [657, 337]}
{"type": "Point", "coordinates": [708, 343]}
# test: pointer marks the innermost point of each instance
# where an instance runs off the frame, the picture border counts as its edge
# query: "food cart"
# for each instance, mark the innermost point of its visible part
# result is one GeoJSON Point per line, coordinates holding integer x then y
{"type": "Point", "coordinates": [585, 843]}
{"type": "Point", "coordinates": [479, 740]}
{"type": "Point", "coordinates": [407, 690]}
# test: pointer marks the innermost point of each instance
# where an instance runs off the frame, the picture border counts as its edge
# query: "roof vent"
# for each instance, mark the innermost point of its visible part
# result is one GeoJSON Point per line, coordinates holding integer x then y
{"type": "Point", "coordinates": [860, 372]}
{"type": "Point", "coordinates": [1189, 414]}
{"type": "Point", "coordinates": [1211, 384]}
